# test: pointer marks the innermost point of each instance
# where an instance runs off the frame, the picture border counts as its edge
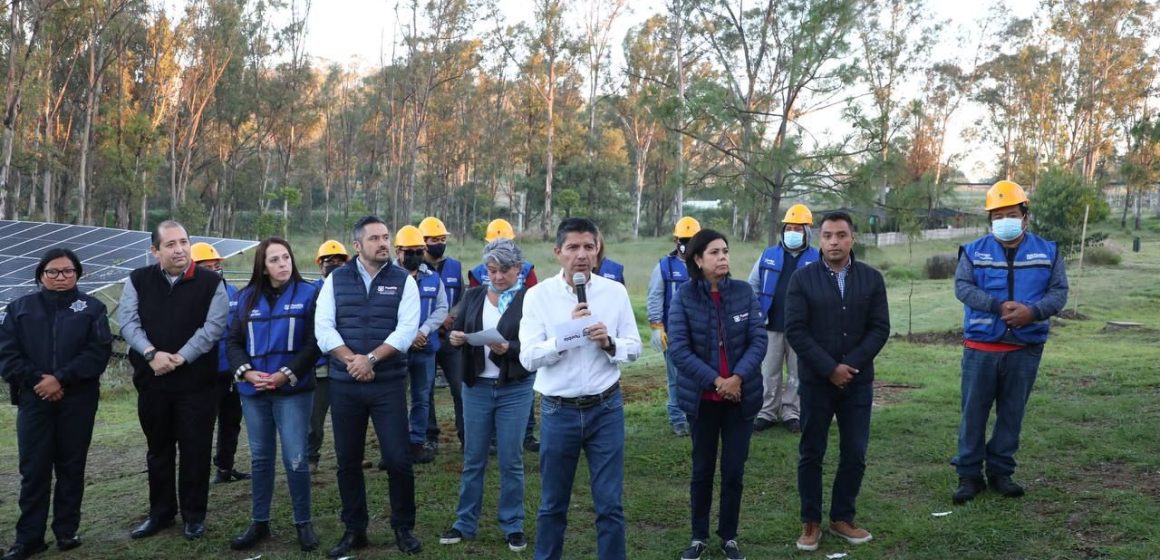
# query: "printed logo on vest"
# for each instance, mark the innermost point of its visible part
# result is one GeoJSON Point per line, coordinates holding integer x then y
{"type": "Point", "coordinates": [294, 306]}
{"type": "Point", "coordinates": [983, 256]}
{"type": "Point", "coordinates": [741, 318]}
{"type": "Point", "coordinates": [676, 274]}
{"type": "Point", "coordinates": [1034, 256]}
{"type": "Point", "coordinates": [429, 289]}
{"type": "Point", "coordinates": [771, 262]}
{"type": "Point", "coordinates": [388, 290]}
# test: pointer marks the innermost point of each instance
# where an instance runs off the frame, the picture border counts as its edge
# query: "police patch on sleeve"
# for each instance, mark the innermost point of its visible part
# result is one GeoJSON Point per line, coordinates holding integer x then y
{"type": "Point", "coordinates": [79, 305]}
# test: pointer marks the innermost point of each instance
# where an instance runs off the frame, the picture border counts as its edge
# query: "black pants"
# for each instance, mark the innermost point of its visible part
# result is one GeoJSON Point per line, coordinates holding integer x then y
{"type": "Point", "coordinates": [318, 418]}
{"type": "Point", "coordinates": [449, 360]}
{"type": "Point", "coordinates": [229, 425]}
{"type": "Point", "coordinates": [718, 422]}
{"type": "Point", "coordinates": [172, 422]}
{"type": "Point", "coordinates": [53, 437]}
{"type": "Point", "coordinates": [821, 403]}
{"type": "Point", "coordinates": [384, 403]}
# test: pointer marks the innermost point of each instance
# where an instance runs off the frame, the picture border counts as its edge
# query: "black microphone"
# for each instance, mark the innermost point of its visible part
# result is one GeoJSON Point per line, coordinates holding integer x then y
{"type": "Point", "coordinates": [578, 280]}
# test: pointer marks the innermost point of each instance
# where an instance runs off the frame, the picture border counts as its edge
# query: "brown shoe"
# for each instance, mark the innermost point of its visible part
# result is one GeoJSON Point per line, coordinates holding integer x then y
{"type": "Point", "coordinates": [811, 536]}
{"type": "Point", "coordinates": [852, 533]}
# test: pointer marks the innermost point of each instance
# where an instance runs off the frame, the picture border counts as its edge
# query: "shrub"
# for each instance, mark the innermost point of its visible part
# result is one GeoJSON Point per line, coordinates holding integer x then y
{"type": "Point", "coordinates": [1101, 256]}
{"type": "Point", "coordinates": [902, 273]}
{"type": "Point", "coordinates": [941, 266]}
{"type": "Point", "coordinates": [1057, 207]}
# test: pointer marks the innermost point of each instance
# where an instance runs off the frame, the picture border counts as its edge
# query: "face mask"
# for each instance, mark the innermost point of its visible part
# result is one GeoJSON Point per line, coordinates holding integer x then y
{"type": "Point", "coordinates": [412, 261]}
{"type": "Point", "coordinates": [793, 239]}
{"type": "Point", "coordinates": [436, 250]}
{"type": "Point", "coordinates": [682, 246]}
{"type": "Point", "coordinates": [330, 268]}
{"type": "Point", "coordinates": [1007, 229]}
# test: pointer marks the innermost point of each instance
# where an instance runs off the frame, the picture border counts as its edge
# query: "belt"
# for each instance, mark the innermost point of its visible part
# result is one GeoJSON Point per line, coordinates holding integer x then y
{"type": "Point", "coordinates": [584, 401]}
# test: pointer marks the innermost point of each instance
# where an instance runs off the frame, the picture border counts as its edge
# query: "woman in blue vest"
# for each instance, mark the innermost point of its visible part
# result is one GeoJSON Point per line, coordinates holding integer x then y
{"type": "Point", "coordinates": [54, 346]}
{"type": "Point", "coordinates": [717, 341]}
{"type": "Point", "coordinates": [272, 352]}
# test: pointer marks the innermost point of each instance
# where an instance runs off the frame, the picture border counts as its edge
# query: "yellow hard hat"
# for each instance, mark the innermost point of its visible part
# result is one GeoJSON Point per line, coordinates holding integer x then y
{"type": "Point", "coordinates": [1005, 193]}
{"type": "Point", "coordinates": [330, 247]}
{"type": "Point", "coordinates": [409, 236]}
{"type": "Point", "coordinates": [798, 214]}
{"type": "Point", "coordinates": [432, 227]}
{"type": "Point", "coordinates": [498, 228]}
{"type": "Point", "coordinates": [686, 227]}
{"type": "Point", "coordinates": [202, 251]}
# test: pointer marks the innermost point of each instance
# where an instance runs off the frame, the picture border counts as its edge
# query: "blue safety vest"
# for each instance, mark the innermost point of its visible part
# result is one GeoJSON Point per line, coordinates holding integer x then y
{"type": "Point", "coordinates": [275, 333]}
{"type": "Point", "coordinates": [612, 270]}
{"type": "Point", "coordinates": [429, 286]}
{"type": "Point", "coordinates": [452, 275]}
{"type": "Point", "coordinates": [770, 265]}
{"type": "Point", "coordinates": [673, 274]}
{"type": "Point", "coordinates": [480, 273]}
{"type": "Point", "coordinates": [1025, 280]}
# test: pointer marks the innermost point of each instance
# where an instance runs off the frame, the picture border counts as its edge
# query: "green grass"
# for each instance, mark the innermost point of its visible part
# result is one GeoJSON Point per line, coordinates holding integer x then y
{"type": "Point", "coordinates": [1090, 454]}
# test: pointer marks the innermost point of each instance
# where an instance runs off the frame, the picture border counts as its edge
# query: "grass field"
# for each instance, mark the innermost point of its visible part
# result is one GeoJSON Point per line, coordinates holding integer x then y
{"type": "Point", "coordinates": [1090, 457]}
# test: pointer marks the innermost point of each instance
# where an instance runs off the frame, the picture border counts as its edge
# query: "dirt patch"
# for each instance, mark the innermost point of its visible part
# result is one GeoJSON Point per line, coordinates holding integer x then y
{"type": "Point", "coordinates": [952, 337]}
{"type": "Point", "coordinates": [639, 388]}
{"type": "Point", "coordinates": [1132, 327]}
{"type": "Point", "coordinates": [891, 393]}
{"type": "Point", "coordinates": [1117, 476]}
{"type": "Point", "coordinates": [1072, 315]}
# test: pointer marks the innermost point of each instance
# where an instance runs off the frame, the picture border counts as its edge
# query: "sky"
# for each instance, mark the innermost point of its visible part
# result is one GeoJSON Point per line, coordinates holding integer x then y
{"type": "Point", "coordinates": [355, 32]}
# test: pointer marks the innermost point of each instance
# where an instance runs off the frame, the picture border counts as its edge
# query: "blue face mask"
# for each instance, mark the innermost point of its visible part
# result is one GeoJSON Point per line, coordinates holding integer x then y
{"type": "Point", "coordinates": [793, 239]}
{"type": "Point", "coordinates": [1007, 229]}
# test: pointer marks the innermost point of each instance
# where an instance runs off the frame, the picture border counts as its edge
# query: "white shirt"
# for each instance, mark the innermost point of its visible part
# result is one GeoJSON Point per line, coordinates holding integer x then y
{"type": "Point", "coordinates": [491, 317]}
{"type": "Point", "coordinates": [408, 321]}
{"type": "Point", "coordinates": [586, 370]}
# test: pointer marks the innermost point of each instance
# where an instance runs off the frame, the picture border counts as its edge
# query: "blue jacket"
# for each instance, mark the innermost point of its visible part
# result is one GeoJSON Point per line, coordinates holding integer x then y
{"type": "Point", "coordinates": [826, 328]}
{"type": "Point", "coordinates": [275, 334]}
{"type": "Point", "coordinates": [365, 319]}
{"type": "Point", "coordinates": [429, 285]}
{"type": "Point", "coordinates": [612, 270]}
{"type": "Point", "coordinates": [988, 275]}
{"type": "Point", "coordinates": [223, 359]}
{"type": "Point", "coordinates": [693, 328]}
{"type": "Point", "coordinates": [65, 334]}
{"type": "Point", "coordinates": [451, 272]}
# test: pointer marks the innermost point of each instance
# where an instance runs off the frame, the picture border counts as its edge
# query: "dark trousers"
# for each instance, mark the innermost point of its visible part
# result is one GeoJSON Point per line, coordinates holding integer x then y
{"type": "Point", "coordinates": [229, 425]}
{"type": "Point", "coordinates": [173, 422]}
{"type": "Point", "coordinates": [53, 437]}
{"type": "Point", "coordinates": [384, 403]}
{"type": "Point", "coordinates": [820, 403]}
{"type": "Point", "coordinates": [318, 419]}
{"type": "Point", "coordinates": [449, 360]}
{"type": "Point", "coordinates": [718, 422]}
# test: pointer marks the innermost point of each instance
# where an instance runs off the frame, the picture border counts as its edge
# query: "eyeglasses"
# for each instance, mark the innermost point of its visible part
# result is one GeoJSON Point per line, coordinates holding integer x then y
{"type": "Point", "coordinates": [54, 273]}
{"type": "Point", "coordinates": [414, 252]}
{"type": "Point", "coordinates": [333, 260]}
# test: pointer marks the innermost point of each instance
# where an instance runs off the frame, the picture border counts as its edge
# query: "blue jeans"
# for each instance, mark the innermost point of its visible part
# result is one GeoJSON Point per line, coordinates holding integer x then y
{"type": "Point", "coordinates": [500, 411]}
{"type": "Point", "coordinates": [421, 366]}
{"type": "Point", "coordinates": [820, 403]}
{"type": "Point", "coordinates": [1005, 379]}
{"type": "Point", "coordinates": [676, 415]}
{"type": "Point", "coordinates": [718, 423]}
{"type": "Point", "coordinates": [289, 417]}
{"type": "Point", "coordinates": [384, 403]}
{"type": "Point", "coordinates": [598, 431]}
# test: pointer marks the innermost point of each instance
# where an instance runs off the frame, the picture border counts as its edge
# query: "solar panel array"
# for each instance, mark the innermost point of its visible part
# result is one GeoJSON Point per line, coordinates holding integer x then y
{"type": "Point", "coordinates": [109, 254]}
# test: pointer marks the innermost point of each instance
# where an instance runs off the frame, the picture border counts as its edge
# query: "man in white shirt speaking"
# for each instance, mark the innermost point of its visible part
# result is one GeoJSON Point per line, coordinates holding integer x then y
{"type": "Point", "coordinates": [581, 407]}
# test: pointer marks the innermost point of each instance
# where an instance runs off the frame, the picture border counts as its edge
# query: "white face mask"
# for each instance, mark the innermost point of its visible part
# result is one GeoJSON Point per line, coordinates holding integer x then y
{"type": "Point", "coordinates": [1007, 229]}
{"type": "Point", "coordinates": [793, 239]}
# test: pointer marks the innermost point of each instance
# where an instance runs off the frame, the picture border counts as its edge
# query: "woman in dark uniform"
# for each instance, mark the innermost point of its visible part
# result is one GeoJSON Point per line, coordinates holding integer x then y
{"type": "Point", "coordinates": [54, 346]}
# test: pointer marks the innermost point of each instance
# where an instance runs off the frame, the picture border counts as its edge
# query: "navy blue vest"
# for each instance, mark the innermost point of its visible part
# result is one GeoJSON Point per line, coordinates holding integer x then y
{"type": "Point", "coordinates": [673, 274]}
{"type": "Point", "coordinates": [429, 286]}
{"type": "Point", "coordinates": [770, 265]}
{"type": "Point", "coordinates": [452, 275]}
{"type": "Point", "coordinates": [612, 270]}
{"type": "Point", "coordinates": [274, 334]}
{"type": "Point", "coordinates": [1032, 274]}
{"type": "Point", "coordinates": [365, 319]}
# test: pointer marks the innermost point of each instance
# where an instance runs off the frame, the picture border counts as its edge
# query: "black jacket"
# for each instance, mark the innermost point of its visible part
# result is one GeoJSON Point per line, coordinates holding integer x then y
{"type": "Point", "coordinates": [470, 320]}
{"type": "Point", "coordinates": [826, 329]}
{"type": "Point", "coordinates": [65, 334]}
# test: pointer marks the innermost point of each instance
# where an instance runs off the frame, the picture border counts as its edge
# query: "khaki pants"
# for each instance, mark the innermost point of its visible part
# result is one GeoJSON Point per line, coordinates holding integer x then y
{"type": "Point", "coordinates": [781, 401]}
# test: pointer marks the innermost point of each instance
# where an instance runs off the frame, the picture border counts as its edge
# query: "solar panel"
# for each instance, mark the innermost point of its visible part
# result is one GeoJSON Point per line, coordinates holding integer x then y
{"type": "Point", "coordinates": [109, 254]}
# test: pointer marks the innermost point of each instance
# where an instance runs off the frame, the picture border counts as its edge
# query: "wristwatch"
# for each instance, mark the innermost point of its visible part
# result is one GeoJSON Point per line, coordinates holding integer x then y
{"type": "Point", "coordinates": [371, 358]}
{"type": "Point", "coordinates": [149, 355]}
{"type": "Point", "coordinates": [611, 348]}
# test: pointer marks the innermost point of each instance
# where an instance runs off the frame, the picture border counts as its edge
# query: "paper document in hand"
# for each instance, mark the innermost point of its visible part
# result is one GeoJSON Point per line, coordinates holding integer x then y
{"type": "Point", "coordinates": [573, 334]}
{"type": "Point", "coordinates": [482, 338]}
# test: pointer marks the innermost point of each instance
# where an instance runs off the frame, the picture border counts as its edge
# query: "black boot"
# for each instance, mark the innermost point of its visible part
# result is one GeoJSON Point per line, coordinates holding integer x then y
{"type": "Point", "coordinates": [407, 541]}
{"type": "Point", "coordinates": [351, 540]}
{"type": "Point", "coordinates": [969, 487]}
{"type": "Point", "coordinates": [1003, 484]}
{"type": "Point", "coordinates": [307, 540]}
{"type": "Point", "coordinates": [257, 532]}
